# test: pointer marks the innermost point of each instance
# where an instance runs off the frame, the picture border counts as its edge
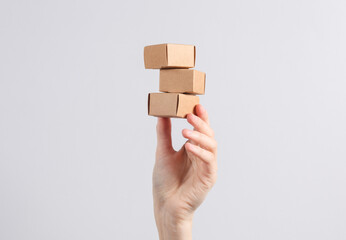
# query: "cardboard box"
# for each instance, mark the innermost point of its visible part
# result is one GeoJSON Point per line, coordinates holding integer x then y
{"type": "Point", "coordinates": [182, 81]}
{"type": "Point", "coordinates": [171, 104]}
{"type": "Point", "coordinates": [169, 56]}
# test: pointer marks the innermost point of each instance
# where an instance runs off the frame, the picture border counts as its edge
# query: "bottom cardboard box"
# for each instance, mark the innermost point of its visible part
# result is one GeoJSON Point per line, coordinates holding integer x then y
{"type": "Point", "coordinates": [171, 104]}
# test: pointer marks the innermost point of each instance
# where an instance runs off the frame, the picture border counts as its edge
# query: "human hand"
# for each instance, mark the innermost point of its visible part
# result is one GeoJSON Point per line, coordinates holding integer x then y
{"type": "Point", "coordinates": [182, 179]}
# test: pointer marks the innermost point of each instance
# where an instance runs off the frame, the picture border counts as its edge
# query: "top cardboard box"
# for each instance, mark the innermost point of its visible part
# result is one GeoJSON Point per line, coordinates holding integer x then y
{"type": "Point", "coordinates": [169, 56]}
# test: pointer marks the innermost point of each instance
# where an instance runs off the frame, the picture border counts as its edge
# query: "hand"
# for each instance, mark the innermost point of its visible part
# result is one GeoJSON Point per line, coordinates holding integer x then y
{"type": "Point", "coordinates": [182, 179]}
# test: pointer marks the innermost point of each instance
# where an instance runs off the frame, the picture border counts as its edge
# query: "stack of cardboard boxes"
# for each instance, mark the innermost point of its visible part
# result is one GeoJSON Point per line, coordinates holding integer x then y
{"type": "Point", "coordinates": [178, 82]}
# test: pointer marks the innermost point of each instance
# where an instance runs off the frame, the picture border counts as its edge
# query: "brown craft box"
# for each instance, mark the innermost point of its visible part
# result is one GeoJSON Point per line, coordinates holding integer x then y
{"type": "Point", "coordinates": [182, 81]}
{"type": "Point", "coordinates": [171, 104]}
{"type": "Point", "coordinates": [169, 56]}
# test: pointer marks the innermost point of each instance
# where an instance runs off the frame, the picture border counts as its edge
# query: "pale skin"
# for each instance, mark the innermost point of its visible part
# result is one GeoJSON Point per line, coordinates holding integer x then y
{"type": "Point", "coordinates": [182, 179]}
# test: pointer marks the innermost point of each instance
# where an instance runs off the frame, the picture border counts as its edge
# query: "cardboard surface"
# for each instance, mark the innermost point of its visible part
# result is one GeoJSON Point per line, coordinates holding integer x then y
{"type": "Point", "coordinates": [182, 81]}
{"type": "Point", "coordinates": [169, 56]}
{"type": "Point", "coordinates": [171, 104]}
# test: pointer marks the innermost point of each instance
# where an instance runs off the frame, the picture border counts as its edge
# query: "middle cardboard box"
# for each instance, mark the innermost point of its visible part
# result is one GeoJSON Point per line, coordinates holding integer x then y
{"type": "Point", "coordinates": [182, 81]}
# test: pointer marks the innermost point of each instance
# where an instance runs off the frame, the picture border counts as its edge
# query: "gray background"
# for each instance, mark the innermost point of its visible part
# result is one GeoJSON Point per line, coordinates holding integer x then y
{"type": "Point", "coordinates": [77, 147]}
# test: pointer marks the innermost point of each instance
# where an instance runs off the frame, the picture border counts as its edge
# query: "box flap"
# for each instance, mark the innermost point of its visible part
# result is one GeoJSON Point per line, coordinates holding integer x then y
{"type": "Point", "coordinates": [176, 109]}
{"type": "Point", "coordinates": [187, 103]}
{"type": "Point", "coordinates": [194, 56]}
{"type": "Point", "coordinates": [180, 56]}
{"type": "Point", "coordinates": [166, 54]}
{"type": "Point", "coordinates": [199, 82]}
{"type": "Point", "coordinates": [148, 103]}
{"type": "Point", "coordinates": [155, 56]}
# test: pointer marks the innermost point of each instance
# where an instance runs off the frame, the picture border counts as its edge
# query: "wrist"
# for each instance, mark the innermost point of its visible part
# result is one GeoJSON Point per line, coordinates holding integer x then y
{"type": "Point", "coordinates": [171, 227]}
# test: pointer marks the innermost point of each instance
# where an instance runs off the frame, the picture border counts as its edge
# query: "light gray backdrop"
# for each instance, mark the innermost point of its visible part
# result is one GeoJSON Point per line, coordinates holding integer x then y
{"type": "Point", "coordinates": [77, 147]}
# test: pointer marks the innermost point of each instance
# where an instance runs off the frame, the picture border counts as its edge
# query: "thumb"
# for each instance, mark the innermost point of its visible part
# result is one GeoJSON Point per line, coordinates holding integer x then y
{"type": "Point", "coordinates": [164, 139]}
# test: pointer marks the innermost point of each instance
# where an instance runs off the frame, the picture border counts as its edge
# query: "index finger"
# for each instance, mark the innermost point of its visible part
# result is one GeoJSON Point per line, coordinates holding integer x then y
{"type": "Point", "coordinates": [200, 125]}
{"type": "Point", "coordinates": [202, 113]}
